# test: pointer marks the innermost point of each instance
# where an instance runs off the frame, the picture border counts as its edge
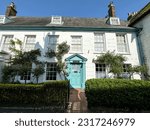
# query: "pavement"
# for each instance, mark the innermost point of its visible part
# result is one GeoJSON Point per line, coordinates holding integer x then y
{"type": "Point", "coordinates": [77, 101]}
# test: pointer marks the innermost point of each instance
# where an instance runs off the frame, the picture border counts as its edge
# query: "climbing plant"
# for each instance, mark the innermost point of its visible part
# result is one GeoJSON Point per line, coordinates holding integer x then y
{"type": "Point", "coordinates": [62, 49]}
{"type": "Point", "coordinates": [113, 61]}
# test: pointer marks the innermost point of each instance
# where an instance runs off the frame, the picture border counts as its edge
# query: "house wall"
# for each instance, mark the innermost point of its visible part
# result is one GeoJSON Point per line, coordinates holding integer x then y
{"type": "Point", "coordinates": [144, 37]}
{"type": "Point", "coordinates": [88, 46]}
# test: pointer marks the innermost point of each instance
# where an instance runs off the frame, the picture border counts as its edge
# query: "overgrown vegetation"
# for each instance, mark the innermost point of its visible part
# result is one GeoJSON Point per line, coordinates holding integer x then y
{"type": "Point", "coordinates": [54, 93]}
{"type": "Point", "coordinates": [118, 93]}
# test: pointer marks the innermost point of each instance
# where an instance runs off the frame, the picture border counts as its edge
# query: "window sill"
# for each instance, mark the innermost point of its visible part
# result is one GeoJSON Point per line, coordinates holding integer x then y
{"type": "Point", "coordinates": [99, 52]}
{"type": "Point", "coordinates": [125, 53]}
{"type": "Point", "coordinates": [75, 52]}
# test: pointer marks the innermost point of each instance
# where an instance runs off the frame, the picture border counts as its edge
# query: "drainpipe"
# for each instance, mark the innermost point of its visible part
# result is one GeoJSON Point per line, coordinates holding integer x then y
{"type": "Point", "coordinates": [140, 47]}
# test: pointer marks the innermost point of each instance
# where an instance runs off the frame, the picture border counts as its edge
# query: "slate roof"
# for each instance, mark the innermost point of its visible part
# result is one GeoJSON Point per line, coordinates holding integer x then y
{"type": "Point", "coordinates": [142, 13]}
{"type": "Point", "coordinates": [67, 22]}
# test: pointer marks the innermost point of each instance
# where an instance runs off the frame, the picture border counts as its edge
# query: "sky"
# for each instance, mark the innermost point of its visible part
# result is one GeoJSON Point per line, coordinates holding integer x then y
{"type": "Point", "coordinates": [73, 8]}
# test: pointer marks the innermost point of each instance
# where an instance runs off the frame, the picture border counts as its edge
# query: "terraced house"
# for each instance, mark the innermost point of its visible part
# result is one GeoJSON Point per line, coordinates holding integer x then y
{"type": "Point", "coordinates": [141, 20]}
{"type": "Point", "coordinates": [87, 38]}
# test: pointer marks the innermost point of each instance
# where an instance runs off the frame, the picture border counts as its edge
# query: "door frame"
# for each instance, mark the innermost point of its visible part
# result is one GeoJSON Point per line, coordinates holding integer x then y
{"type": "Point", "coordinates": [76, 58]}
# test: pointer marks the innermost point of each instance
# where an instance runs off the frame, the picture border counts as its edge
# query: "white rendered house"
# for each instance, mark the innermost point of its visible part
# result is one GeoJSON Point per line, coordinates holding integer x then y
{"type": "Point", "coordinates": [87, 37]}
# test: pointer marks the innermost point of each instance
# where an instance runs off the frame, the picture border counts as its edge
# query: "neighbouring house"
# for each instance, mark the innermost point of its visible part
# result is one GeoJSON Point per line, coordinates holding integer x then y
{"type": "Point", "coordinates": [87, 37]}
{"type": "Point", "coordinates": [141, 20]}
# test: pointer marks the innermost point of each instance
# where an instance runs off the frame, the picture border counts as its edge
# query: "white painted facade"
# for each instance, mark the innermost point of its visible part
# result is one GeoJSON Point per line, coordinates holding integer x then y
{"type": "Point", "coordinates": [144, 38]}
{"type": "Point", "coordinates": [87, 46]}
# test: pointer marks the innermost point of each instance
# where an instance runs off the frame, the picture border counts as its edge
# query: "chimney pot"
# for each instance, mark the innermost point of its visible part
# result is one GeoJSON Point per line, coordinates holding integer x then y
{"type": "Point", "coordinates": [111, 11]}
{"type": "Point", "coordinates": [11, 10]}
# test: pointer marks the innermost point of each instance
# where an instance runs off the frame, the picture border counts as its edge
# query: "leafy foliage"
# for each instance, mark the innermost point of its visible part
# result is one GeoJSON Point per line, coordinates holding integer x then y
{"type": "Point", "coordinates": [113, 61]}
{"type": "Point", "coordinates": [48, 94]}
{"type": "Point", "coordinates": [21, 62]}
{"type": "Point", "coordinates": [118, 93]}
{"type": "Point", "coordinates": [62, 49]}
{"type": "Point", "coordinates": [37, 71]}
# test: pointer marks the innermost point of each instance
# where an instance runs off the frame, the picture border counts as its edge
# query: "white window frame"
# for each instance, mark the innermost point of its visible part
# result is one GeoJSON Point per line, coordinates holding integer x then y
{"type": "Point", "coordinates": [73, 44]}
{"type": "Point", "coordinates": [125, 74]}
{"type": "Point", "coordinates": [28, 74]}
{"type": "Point", "coordinates": [52, 70]}
{"type": "Point", "coordinates": [123, 44]}
{"type": "Point", "coordinates": [125, 67]}
{"type": "Point", "coordinates": [100, 70]}
{"type": "Point", "coordinates": [52, 44]}
{"type": "Point", "coordinates": [100, 43]}
{"type": "Point", "coordinates": [4, 43]}
{"type": "Point", "coordinates": [114, 21]}
{"type": "Point", "coordinates": [29, 44]}
{"type": "Point", "coordinates": [56, 20]}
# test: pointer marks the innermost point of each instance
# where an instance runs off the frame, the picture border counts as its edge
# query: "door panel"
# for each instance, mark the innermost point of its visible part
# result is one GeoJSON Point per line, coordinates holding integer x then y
{"type": "Point", "coordinates": [76, 75]}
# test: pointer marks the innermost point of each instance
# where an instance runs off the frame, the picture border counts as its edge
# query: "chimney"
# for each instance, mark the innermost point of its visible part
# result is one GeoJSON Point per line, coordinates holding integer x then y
{"type": "Point", "coordinates": [130, 15]}
{"type": "Point", "coordinates": [11, 10]}
{"type": "Point", "coordinates": [111, 11]}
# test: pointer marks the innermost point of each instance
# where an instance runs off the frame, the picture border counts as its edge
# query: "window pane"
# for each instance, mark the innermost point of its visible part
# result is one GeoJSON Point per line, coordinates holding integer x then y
{"type": "Point", "coordinates": [27, 76]}
{"type": "Point", "coordinates": [51, 71]}
{"type": "Point", "coordinates": [6, 42]}
{"type": "Point", "coordinates": [100, 70]}
{"type": "Point", "coordinates": [30, 43]}
{"type": "Point", "coordinates": [76, 45]}
{"type": "Point", "coordinates": [99, 44]}
{"type": "Point", "coordinates": [53, 39]}
{"type": "Point", "coordinates": [121, 43]}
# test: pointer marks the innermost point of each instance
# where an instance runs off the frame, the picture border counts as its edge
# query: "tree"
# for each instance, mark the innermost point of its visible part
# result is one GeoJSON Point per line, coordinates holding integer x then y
{"type": "Point", "coordinates": [22, 60]}
{"type": "Point", "coordinates": [62, 49]}
{"type": "Point", "coordinates": [37, 71]}
{"type": "Point", "coordinates": [8, 74]}
{"type": "Point", "coordinates": [113, 61]}
{"type": "Point", "coordinates": [141, 70]}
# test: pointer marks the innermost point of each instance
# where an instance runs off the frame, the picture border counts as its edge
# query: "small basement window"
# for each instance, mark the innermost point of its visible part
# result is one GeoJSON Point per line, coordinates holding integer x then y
{"type": "Point", "coordinates": [56, 20]}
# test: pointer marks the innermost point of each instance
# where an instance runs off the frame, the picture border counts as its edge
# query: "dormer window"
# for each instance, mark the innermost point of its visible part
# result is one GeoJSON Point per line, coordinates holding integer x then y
{"type": "Point", "coordinates": [114, 21]}
{"type": "Point", "coordinates": [4, 19]}
{"type": "Point", "coordinates": [56, 20]}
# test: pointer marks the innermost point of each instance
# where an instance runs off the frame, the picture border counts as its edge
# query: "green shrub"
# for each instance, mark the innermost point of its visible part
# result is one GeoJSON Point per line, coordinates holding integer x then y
{"type": "Point", "coordinates": [47, 94]}
{"type": "Point", "coordinates": [118, 93]}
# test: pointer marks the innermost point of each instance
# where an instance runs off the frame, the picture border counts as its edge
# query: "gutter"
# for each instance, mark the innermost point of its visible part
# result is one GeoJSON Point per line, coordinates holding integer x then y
{"type": "Point", "coordinates": [54, 28]}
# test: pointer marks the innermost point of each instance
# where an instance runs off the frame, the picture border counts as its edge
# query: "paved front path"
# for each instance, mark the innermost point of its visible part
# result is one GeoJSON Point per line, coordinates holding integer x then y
{"type": "Point", "coordinates": [77, 101]}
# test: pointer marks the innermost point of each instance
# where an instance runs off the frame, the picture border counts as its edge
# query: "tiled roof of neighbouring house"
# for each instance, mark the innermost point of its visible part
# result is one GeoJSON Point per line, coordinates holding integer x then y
{"type": "Point", "coordinates": [142, 13]}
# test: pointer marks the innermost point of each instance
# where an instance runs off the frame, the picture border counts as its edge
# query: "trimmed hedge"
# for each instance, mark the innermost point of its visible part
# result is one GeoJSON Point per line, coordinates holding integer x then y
{"type": "Point", "coordinates": [118, 93]}
{"type": "Point", "coordinates": [52, 93]}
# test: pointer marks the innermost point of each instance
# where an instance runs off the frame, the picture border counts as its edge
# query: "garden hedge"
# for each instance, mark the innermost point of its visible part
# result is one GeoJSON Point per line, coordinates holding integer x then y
{"type": "Point", "coordinates": [118, 93]}
{"type": "Point", "coordinates": [46, 94]}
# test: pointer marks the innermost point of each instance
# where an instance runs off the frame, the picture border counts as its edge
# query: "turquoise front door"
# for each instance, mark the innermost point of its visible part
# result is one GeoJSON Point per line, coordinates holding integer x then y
{"type": "Point", "coordinates": [76, 75]}
{"type": "Point", "coordinates": [76, 70]}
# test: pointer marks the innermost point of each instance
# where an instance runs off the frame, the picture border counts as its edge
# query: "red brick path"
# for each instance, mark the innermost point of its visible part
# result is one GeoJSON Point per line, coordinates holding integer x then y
{"type": "Point", "coordinates": [77, 100]}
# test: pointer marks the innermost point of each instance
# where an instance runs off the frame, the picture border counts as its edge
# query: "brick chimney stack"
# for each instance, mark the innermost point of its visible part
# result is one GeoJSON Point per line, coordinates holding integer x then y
{"type": "Point", "coordinates": [111, 11]}
{"type": "Point", "coordinates": [11, 10]}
